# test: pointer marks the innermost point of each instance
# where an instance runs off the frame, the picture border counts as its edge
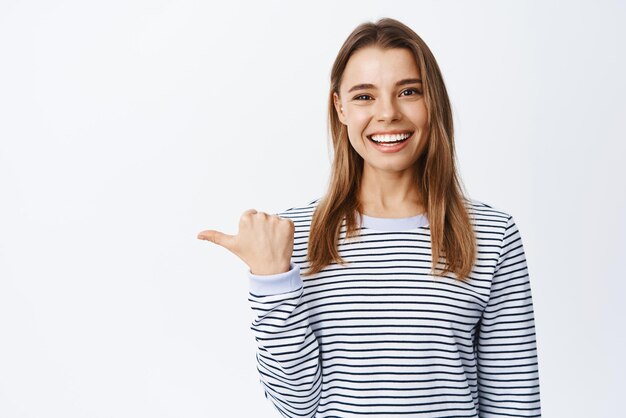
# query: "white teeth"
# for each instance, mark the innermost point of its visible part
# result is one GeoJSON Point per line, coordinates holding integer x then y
{"type": "Point", "coordinates": [390, 138]}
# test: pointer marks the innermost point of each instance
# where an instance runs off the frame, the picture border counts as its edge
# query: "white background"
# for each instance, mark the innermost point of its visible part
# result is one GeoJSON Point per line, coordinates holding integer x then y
{"type": "Point", "coordinates": [126, 127]}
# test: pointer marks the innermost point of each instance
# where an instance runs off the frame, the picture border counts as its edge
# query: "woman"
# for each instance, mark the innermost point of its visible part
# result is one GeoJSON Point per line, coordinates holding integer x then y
{"type": "Point", "coordinates": [372, 326]}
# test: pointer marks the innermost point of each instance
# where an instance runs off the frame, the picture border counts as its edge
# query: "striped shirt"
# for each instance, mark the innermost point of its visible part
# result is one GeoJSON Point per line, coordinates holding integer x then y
{"type": "Point", "coordinates": [383, 337]}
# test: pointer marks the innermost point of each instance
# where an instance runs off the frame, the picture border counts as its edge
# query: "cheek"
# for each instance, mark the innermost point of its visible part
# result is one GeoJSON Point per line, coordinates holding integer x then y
{"type": "Point", "coordinates": [354, 136]}
{"type": "Point", "coordinates": [357, 124]}
{"type": "Point", "coordinates": [357, 138]}
{"type": "Point", "coordinates": [420, 116]}
{"type": "Point", "coordinates": [357, 144]}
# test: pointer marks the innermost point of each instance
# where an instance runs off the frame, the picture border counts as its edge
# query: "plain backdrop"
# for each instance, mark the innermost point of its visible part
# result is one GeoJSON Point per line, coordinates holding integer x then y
{"type": "Point", "coordinates": [126, 127]}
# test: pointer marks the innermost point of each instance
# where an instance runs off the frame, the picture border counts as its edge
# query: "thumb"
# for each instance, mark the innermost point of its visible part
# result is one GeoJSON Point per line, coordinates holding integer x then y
{"type": "Point", "coordinates": [219, 238]}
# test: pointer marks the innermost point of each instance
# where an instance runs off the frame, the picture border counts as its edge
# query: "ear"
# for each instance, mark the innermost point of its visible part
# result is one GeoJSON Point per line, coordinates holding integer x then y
{"type": "Point", "coordinates": [339, 108]}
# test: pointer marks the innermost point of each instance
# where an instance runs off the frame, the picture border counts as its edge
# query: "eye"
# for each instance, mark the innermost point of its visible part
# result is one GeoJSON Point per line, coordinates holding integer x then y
{"type": "Point", "coordinates": [362, 95]}
{"type": "Point", "coordinates": [415, 90]}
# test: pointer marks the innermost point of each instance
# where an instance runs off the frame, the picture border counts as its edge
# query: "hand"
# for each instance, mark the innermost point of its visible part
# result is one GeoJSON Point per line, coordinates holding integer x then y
{"type": "Point", "coordinates": [264, 242]}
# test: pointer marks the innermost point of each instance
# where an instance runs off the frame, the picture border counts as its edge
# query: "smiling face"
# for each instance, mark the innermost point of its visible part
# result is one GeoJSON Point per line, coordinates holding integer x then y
{"type": "Point", "coordinates": [381, 93]}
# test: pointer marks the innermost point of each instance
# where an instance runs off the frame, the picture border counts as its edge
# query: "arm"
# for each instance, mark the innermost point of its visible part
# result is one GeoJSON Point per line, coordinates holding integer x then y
{"type": "Point", "coordinates": [288, 354]}
{"type": "Point", "coordinates": [506, 351]}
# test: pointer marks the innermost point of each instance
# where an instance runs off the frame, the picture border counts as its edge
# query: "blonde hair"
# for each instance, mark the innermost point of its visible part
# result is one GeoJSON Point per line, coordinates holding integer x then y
{"type": "Point", "coordinates": [452, 235]}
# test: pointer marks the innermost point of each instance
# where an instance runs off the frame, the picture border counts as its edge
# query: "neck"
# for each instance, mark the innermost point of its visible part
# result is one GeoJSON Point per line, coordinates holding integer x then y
{"type": "Point", "coordinates": [389, 194]}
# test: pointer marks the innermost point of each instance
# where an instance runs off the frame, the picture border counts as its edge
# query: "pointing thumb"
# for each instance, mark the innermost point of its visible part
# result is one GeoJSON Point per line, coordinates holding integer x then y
{"type": "Point", "coordinates": [218, 238]}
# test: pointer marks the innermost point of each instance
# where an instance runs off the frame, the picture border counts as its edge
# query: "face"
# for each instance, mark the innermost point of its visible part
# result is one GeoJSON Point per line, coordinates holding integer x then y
{"type": "Point", "coordinates": [380, 94]}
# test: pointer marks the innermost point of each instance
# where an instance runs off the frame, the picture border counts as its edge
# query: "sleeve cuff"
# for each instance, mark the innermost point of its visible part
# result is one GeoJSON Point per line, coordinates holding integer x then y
{"type": "Point", "coordinates": [273, 284]}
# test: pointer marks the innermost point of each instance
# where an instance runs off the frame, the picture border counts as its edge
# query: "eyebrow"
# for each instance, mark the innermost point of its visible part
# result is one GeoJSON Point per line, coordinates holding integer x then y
{"type": "Point", "coordinates": [399, 83]}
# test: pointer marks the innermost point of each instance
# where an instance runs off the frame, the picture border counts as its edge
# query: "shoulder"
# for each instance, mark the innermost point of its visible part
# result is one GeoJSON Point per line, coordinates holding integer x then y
{"type": "Point", "coordinates": [497, 233]}
{"type": "Point", "coordinates": [301, 214]}
{"type": "Point", "coordinates": [490, 222]}
{"type": "Point", "coordinates": [485, 213]}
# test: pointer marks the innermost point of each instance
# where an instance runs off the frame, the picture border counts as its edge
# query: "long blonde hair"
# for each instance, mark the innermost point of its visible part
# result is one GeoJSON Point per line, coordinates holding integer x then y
{"type": "Point", "coordinates": [452, 235]}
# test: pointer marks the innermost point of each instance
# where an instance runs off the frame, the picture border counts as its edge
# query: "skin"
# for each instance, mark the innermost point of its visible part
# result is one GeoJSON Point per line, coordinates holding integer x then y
{"type": "Point", "coordinates": [388, 187]}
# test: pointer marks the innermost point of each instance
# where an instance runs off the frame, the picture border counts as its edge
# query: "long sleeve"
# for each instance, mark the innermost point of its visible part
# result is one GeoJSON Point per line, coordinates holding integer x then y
{"type": "Point", "coordinates": [508, 378]}
{"type": "Point", "coordinates": [288, 354]}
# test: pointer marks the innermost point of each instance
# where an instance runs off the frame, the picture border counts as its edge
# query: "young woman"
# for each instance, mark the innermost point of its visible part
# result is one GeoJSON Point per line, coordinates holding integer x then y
{"type": "Point", "coordinates": [393, 294]}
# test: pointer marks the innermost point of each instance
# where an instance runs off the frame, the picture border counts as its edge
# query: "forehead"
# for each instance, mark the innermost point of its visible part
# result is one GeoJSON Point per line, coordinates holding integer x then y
{"type": "Point", "coordinates": [379, 66]}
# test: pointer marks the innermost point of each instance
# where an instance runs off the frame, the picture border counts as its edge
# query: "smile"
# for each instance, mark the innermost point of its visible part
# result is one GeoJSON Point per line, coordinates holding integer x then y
{"type": "Point", "coordinates": [390, 139]}
{"type": "Point", "coordinates": [390, 143]}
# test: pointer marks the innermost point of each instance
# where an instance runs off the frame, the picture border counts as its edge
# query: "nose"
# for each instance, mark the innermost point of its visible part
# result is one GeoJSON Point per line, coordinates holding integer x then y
{"type": "Point", "coordinates": [387, 110]}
